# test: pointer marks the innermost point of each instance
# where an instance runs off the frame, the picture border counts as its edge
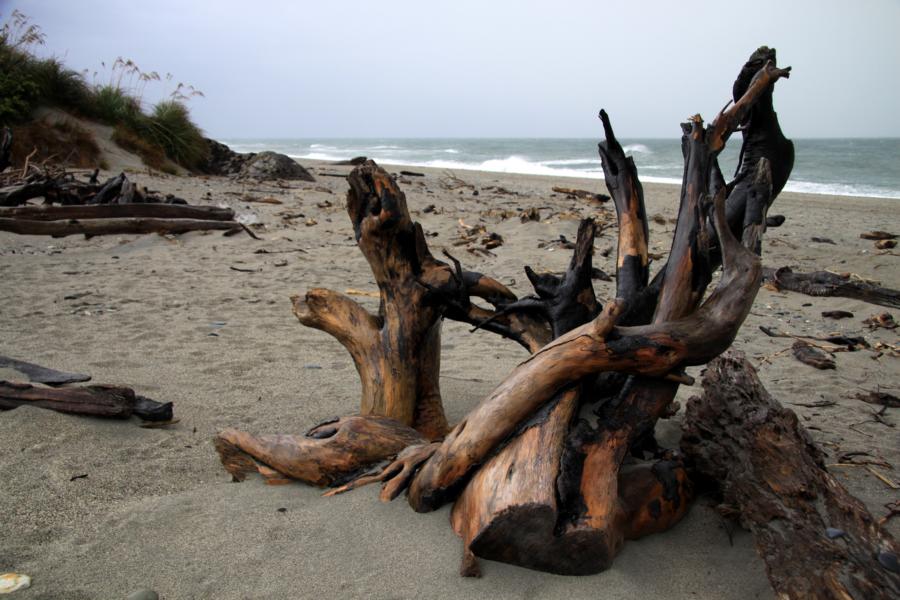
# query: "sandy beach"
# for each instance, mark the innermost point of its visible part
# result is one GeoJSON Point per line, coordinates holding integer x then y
{"type": "Point", "coordinates": [205, 321]}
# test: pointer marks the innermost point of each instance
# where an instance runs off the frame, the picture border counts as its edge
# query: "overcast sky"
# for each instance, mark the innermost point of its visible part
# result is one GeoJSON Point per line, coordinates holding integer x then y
{"type": "Point", "coordinates": [461, 68]}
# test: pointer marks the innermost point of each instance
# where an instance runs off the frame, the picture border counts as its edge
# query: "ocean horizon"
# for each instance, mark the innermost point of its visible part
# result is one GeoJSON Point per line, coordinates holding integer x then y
{"type": "Point", "coordinates": [833, 166]}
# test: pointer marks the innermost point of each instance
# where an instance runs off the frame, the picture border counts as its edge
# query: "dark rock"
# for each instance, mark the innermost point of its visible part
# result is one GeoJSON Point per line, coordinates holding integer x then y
{"type": "Point", "coordinates": [222, 160]}
{"type": "Point", "coordinates": [271, 165]}
{"type": "Point", "coordinates": [352, 162]}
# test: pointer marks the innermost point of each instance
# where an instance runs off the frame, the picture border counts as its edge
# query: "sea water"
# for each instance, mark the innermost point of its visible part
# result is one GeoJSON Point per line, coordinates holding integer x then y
{"type": "Point", "coordinates": [852, 167]}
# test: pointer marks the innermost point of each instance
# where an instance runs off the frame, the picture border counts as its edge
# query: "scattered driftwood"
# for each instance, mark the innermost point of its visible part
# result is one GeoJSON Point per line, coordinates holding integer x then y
{"type": "Point", "coordinates": [95, 400]}
{"type": "Point", "coordinates": [581, 194]}
{"type": "Point", "coordinates": [812, 356]}
{"type": "Point", "coordinates": [115, 207]}
{"type": "Point", "coordinates": [412, 174]}
{"type": "Point", "coordinates": [39, 374]}
{"type": "Point", "coordinates": [534, 484]}
{"type": "Point", "coordinates": [818, 541]}
{"type": "Point", "coordinates": [826, 283]}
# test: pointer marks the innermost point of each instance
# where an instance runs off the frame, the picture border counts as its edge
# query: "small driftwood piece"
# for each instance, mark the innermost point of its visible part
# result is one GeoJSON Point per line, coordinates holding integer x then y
{"type": "Point", "coordinates": [39, 374]}
{"type": "Point", "coordinates": [92, 227]}
{"type": "Point", "coordinates": [812, 356]}
{"type": "Point", "coordinates": [94, 400]}
{"type": "Point", "coordinates": [118, 211]}
{"type": "Point", "coordinates": [818, 541]}
{"type": "Point", "coordinates": [581, 194]}
{"type": "Point", "coordinates": [826, 283]}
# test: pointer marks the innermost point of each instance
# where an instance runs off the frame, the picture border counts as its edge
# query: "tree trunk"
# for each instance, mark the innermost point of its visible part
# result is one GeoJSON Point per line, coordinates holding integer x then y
{"type": "Point", "coordinates": [396, 352]}
{"type": "Point", "coordinates": [818, 541]}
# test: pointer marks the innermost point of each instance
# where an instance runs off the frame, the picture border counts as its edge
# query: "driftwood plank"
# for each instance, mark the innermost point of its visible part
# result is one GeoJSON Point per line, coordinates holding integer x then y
{"type": "Point", "coordinates": [118, 211]}
{"type": "Point", "coordinates": [91, 227]}
{"type": "Point", "coordinates": [94, 400]}
{"type": "Point", "coordinates": [39, 374]}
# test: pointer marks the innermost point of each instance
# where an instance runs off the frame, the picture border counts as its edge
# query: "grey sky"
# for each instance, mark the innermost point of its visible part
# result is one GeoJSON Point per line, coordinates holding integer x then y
{"type": "Point", "coordinates": [420, 68]}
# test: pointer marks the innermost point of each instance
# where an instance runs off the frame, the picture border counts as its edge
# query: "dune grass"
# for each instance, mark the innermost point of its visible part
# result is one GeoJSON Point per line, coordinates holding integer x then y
{"type": "Point", "coordinates": [159, 134]}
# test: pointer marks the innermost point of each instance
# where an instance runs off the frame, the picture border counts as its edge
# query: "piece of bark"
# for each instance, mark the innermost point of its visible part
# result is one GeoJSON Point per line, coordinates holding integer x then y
{"type": "Point", "coordinates": [880, 398]}
{"type": "Point", "coordinates": [881, 321]}
{"type": "Point", "coordinates": [94, 400]}
{"type": "Point", "coordinates": [878, 235]}
{"type": "Point", "coordinates": [837, 314]}
{"type": "Point", "coordinates": [826, 283]}
{"type": "Point", "coordinates": [817, 541]}
{"type": "Point", "coordinates": [581, 194]}
{"type": "Point", "coordinates": [39, 374]}
{"type": "Point", "coordinates": [118, 211]}
{"type": "Point", "coordinates": [812, 356]}
{"type": "Point", "coordinates": [327, 455]}
{"type": "Point", "coordinates": [113, 226]}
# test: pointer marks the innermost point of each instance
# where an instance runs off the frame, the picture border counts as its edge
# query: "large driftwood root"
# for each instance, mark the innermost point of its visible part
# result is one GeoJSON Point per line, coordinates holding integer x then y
{"type": "Point", "coordinates": [327, 455]}
{"type": "Point", "coordinates": [818, 541]}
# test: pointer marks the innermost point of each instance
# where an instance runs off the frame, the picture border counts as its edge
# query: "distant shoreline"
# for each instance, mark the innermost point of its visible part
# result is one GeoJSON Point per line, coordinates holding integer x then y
{"type": "Point", "coordinates": [590, 183]}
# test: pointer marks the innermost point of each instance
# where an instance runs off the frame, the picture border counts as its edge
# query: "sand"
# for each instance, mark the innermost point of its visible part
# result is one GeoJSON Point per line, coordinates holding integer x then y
{"type": "Point", "coordinates": [169, 317]}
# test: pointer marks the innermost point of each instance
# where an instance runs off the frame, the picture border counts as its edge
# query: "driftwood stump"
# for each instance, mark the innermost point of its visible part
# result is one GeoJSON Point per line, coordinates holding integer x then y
{"type": "Point", "coordinates": [536, 483]}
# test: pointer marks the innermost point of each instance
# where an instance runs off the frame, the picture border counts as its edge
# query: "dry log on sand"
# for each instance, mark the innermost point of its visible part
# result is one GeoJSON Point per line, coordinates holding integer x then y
{"type": "Point", "coordinates": [118, 211]}
{"type": "Point", "coordinates": [826, 283]}
{"type": "Point", "coordinates": [818, 541]}
{"type": "Point", "coordinates": [91, 227]}
{"type": "Point", "coordinates": [94, 400]}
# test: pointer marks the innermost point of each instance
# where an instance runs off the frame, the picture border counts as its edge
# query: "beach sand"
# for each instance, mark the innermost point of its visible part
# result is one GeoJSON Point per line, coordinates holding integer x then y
{"type": "Point", "coordinates": [171, 318]}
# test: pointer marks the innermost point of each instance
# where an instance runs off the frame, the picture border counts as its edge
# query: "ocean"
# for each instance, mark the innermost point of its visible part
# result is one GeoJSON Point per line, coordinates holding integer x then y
{"type": "Point", "coordinates": [850, 166]}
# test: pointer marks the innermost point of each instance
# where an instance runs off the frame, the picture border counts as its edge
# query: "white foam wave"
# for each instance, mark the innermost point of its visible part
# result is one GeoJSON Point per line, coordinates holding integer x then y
{"type": "Point", "coordinates": [636, 148]}
{"type": "Point", "coordinates": [840, 189]}
{"type": "Point", "coordinates": [451, 151]}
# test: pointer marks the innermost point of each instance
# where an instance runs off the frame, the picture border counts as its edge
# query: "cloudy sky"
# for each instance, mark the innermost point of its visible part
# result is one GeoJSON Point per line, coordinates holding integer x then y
{"type": "Point", "coordinates": [461, 68]}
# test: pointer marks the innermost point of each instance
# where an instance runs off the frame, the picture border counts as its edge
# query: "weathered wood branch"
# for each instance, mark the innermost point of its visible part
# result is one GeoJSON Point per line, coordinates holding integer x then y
{"type": "Point", "coordinates": [818, 541]}
{"type": "Point", "coordinates": [118, 211]}
{"type": "Point", "coordinates": [329, 453]}
{"type": "Point", "coordinates": [39, 374]}
{"type": "Point", "coordinates": [620, 172]}
{"type": "Point", "coordinates": [91, 227]}
{"type": "Point", "coordinates": [95, 400]}
{"type": "Point", "coordinates": [826, 283]}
